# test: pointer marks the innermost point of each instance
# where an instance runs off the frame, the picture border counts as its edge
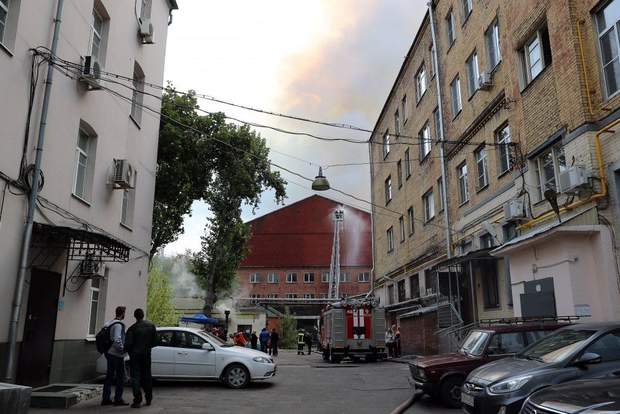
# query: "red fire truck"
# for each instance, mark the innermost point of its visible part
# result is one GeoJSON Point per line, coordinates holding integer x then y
{"type": "Point", "coordinates": [353, 328]}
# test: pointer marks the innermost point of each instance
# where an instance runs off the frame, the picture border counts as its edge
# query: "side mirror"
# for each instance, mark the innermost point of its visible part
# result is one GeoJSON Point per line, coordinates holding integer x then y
{"type": "Point", "coordinates": [588, 358]}
{"type": "Point", "coordinates": [208, 347]}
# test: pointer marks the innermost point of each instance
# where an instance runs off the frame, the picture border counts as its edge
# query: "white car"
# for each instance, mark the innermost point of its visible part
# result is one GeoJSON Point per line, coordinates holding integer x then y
{"type": "Point", "coordinates": [187, 353]}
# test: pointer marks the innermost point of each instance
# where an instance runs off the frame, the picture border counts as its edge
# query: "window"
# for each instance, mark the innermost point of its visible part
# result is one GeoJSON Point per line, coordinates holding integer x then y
{"type": "Point", "coordinates": [308, 295]}
{"type": "Point", "coordinates": [429, 205]}
{"type": "Point", "coordinates": [291, 295]}
{"type": "Point", "coordinates": [390, 240]}
{"type": "Point", "coordinates": [94, 304]}
{"type": "Point", "coordinates": [425, 141]}
{"type": "Point", "coordinates": [403, 109]}
{"type": "Point", "coordinates": [401, 223]}
{"type": "Point", "coordinates": [308, 277]}
{"type": "Point", "coordinates": [272, 277]}
{"type": "Point", "coordinates": [401, 291]}
{"type": "Point", "coordinates": [490, 288]}
{"type": "Point", "coordinates": [506, 343]}
{"type": "Point", "coordinates": [254, 278]}
{"type": "Point", "coordinates": [188, 340]}
{"type": "Point", "coordinates": [4, 13]}
{"type": "Point", "coordinates": [410, 221]}
{"type": "Point", "coordinates": [407, 163]}
{"type": "Point", "coordinates": [272, 295]}
{"type": "Point", "coordinates": [386, 144]}
{"type": "Point", "coordinates": [466, 246]}
{"type": "Point", "coordinates": [254, 296]}
{"type": "Point", "coordinates": [467, 8]}
{"type": "Point", "coordinates": [396, 123]}
{"type": "Point", "coordinates": [510, 231]}
{"type": "Point", "coordinates": [481, 167]}
{"type": "Point", "coordinates": [414, 286]}
{"type": "Point", "coordinates": [325, 277]}
{"type": "Point", "coordinates": [84, 163]}
{"type": "Point", "coordinates": [399, 173]}
{"type": "Point", "coordinates": [127, 207]}
{"type": "Point", "coordinates": [145, 10]}
{"type": "Point", "coordinates": [390, 298]}
{"type": "Point", "coordinates": [440, 193]}
{"type": "Point", "coordinates": [388, 190]}
{"type": "Point", "coordinates": [450, 27]}
{"type": "Point", "coordinates": [137, 97]}
{"type": "Point", "coordinates": [323, 296]}
{"type": "Point", "coordinates": [291, 278]}
{"type": "Point", "coordinates": [535, 55]}
{"type": "Point", "coordinates": [463, 183]}
{"type": "Point", "coordinates": [98, 32]}
{"type": "Point", "coordinates": [608, 347]}
{"type": "Point", "coordinates": [494, 53]}
{"type": "Point", "coordinates": [345, 277]}
{"type": "Point", "coordinates": [165, 338]}
{"type": "Point", "coordinates": [487, 241]}
{"type": "Point", "coordinates": [607, 24]}
{"type": "Point", "coordinates": [430, 281]}
{"type": "Point", "coordinates": [363, 277]}
{"type": "Point", "coordinates": [420, 83]}
{"type": "Point", "coordinates": [455, 89]}
{"type": "Point", "coordinates": [502, 138]}
{"type": "Point", "coordinates": [473, 72]}
{"type": "Point", "coordinates": [548, 167]}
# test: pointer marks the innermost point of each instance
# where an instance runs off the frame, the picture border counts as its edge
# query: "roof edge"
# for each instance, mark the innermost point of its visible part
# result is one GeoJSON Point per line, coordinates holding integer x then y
{"type": "Point", "coordinates": [173, 5]}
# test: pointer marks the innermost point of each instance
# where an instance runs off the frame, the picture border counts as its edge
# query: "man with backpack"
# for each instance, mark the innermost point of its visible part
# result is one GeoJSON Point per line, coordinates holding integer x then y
{"type": "Point", "coordinates": [111, 342]}
{"type": "Point", "coordinates": [141, 338]}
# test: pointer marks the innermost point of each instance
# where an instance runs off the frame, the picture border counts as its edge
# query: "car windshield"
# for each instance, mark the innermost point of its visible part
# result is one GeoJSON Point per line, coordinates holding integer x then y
{"type": "Point", "coordinates": [215, 339]}
{"type": "Point", "coordinates": [557, 346]}
{"type": "Point", "coordinates": [474, 343]}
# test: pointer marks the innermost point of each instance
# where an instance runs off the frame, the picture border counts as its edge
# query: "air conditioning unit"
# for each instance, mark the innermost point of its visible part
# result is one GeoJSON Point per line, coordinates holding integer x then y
{"type": "Point", "coordinates": [123, 175]}
{"type": "Point", "coordinates": [573, 178]}
{"type": "Point", "coordinates": [485, 80]}
{"type": "Point", "coordinates": [513, 209]}
{"type": "Point", "coordinates": [146, 31]}
{"type": "Point", "coordinates": [89, 267]}
{"type": "Point", "coordinates": [91, 72]}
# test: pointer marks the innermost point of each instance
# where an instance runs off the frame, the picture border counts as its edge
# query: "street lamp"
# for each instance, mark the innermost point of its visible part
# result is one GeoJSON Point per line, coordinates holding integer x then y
{"type": "Point", "coordinates": [227, 313]}
{"type": "Point", "coordinates": [320, 183]}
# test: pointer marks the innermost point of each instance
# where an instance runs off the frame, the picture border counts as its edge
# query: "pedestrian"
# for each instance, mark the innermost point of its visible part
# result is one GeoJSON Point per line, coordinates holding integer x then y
{"type": "Point", "coordinates": [239, 339]}
{"type": "Point", "coordinates": [273, 340]}
{"type": "Point", "coordinates": [308, 341]}
{"type": "Point", "coordinates": [301, 342]}
{"type": "Point", "coordinates": [115, 374]}
{"type": "Point", "coordinates": [254, 340]}
{"type": "Point", "coordinates": [389, 342]}
{"type": "Point", "coordinates": [397, 341]}
{"type": "Point", "coordinates": [264, 339]}
{"type": "Point", "coordinates": [141, 338]}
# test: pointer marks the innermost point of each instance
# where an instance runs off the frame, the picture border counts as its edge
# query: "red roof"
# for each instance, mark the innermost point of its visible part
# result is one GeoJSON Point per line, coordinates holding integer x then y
{"type": "Point", "coordinates": [301, 235]}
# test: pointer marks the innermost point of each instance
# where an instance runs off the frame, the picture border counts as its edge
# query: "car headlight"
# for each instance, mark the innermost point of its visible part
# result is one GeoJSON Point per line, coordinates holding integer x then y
{"type": "Point", "coordinates": [420, 373]}
{"type": "Point", "coordinates": [509, 385]}
{"type": "Point", "coordinates": [262, 360]}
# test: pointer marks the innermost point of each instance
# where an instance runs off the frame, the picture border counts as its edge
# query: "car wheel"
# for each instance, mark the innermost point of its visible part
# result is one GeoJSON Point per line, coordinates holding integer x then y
{"type": "Point", "coordinates": [237, 376]}
{"type": "Point", "coordinates": [450, 391]}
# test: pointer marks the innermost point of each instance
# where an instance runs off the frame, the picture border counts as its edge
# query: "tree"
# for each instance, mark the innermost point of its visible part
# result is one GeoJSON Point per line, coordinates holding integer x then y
{"type": "Point", "coordinates": [289, 331]}
{"type": "Point", "coordinates": [159, 301]}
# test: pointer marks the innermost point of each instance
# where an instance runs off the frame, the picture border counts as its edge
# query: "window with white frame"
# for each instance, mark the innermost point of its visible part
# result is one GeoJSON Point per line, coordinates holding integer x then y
{"type": "Point", "coordinates": [390, 239]}
{"type": "Point", "coordinates": [429, 205]}
{"type": "Point", "coordinates": [399, 173]}
{"type": "Point", "coordinates": [487, 241]}
{"type": "Point", "coordinates": [494, 53]}
{"type": "Point", "coordinates": [440, 193]}
{"type": "Point", "coordinates": [425, 141]}
{"type": "Point", "coordinates": [84, 163]}
{"type": "Point", "coordinates": [463, 183]}
{"type": "Point", "coordinates": [473, 72]}
{"type": "Point", "coordinates": [608, 22]}
{"type": "Point", "coordinates": [323, 295]}
{"type": "Point", "coordinates": [127, 207]}
{"type": "Point", "coordinates": [308, 295]}
{"type": "Point", "coordinates": [291, 295]}
{"type": "Point", "coordinates": [272, 277]}
{"type": "Point", "coordinates": [401, 224]}
{"type": "Point", "coordinates": [450, 28]}
{"type": "Point", "coordinates": [95, 295]}
{"type": "Point", "coordinates": [254, 278]}
{"type": "Point", "coordinates": [481, 166]}
{"type": "Point", "coordinates": [548, 167]}
{"type": "Point", "coordinates": [420, 83]}
{"type": "Point", "coordinates": [137, 97]}
{"type": "Point", "coordinates": [325, 277]}
{"type": "Point", "coordinates": [388, 190]}
{"type": "Point", "coordinates": [397, 123]}
{"type": "Point", "coordinates": [345, 277]}
{"type": "Point", "coordinates": [403, 109]}
{"type": "Point", "coordinates": [502, 139]}
{"type": "Point", "coordinates": [272, 295]}
{"type": "Point", "coordinates": [363, 277]}
{"type": "Point", "coordinates": [410, 221]}
{"type": "Point", "coordinates": [308, 277]}
{"type": "Point", "coordinates": [407, 163]}
{"type": "Point", "coordinates": [535, 55]}
{"type": "Point", "coordinates": [386, 144]}
{"type": "Point", "coordinates": [455, 90]}
{"type": "Point", "coordinates": [98, 32]}
{"type": "Point", "coordinates": [467, 8]}
{"type": "Point", "coordinates": [291, 278]}
{"type": "Point", "coordinates": [254, 297]}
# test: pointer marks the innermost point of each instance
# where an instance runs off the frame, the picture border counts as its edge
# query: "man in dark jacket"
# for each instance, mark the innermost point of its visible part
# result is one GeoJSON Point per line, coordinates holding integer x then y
{"type": "Point", "coordinates": [140, 339]}
{"type": "Point", "coordinates": [273, 341]}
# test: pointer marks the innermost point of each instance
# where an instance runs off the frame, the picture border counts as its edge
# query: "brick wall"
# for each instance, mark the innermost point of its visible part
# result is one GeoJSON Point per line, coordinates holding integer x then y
{"type": "Point", "coordinates": [417, 335]}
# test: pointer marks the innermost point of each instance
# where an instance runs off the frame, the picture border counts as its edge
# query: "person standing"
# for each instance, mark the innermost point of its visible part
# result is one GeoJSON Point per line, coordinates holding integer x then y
{"type": "Point", "coordinates": [397, 341]}
{"type": "Point", "coordinates": [308, 341]}
{"type": "Point", "coordinates": [115, 374]}
{"type": "Point", "coordinates": [264, 339]}
{"type": "Point", "coordinates": [141, 338]}
{"type": "Point", "coordinates": [273, 349]}
{"type": "Point", "coordinates": [389, 342]}
{"type": "Point", "coordinates": [300, 342]}
{"type": "Point", "coordinates": [254, 340]}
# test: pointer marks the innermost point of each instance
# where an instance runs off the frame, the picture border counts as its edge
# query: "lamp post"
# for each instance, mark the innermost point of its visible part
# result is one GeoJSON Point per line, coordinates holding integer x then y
{"type": "Point", "coordinates": [320, 183]}
{"type": "Point", "coordinates": [227, 314]}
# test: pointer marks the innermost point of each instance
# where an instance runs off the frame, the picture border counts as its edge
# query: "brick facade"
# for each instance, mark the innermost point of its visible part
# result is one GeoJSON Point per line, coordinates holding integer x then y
{"type": "Point", "coordinates": [418, 335]}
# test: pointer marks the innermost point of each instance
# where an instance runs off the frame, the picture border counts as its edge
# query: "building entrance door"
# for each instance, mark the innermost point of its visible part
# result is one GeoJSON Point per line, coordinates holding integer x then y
{"type": "Point", "coordinates": [35, 355]}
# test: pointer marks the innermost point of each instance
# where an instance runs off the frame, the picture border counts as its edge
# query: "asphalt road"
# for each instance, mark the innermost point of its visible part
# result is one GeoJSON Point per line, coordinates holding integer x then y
{"type": "Point", "coordinates": [303, 385]}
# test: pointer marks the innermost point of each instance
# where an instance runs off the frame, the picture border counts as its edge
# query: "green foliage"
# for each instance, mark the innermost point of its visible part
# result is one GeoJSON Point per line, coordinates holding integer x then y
{"type": "Point", "coordinates": [159, 302]}
{"type": "Point", "coordinates": [289, 331]}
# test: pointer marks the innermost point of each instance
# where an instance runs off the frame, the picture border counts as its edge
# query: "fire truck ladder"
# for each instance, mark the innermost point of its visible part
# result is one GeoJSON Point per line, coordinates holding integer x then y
{"type": "Point", "coordinates": [334, 268]}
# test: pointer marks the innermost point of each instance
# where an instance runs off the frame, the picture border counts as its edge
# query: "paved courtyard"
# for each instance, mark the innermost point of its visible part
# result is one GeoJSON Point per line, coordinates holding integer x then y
{"type": "Point", "coordinates": [303, 385]}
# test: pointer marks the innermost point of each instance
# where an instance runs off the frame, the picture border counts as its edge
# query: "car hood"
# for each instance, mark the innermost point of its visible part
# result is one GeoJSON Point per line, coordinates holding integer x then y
{"type": "Point", "coordinates": [241, 351]}
{"type": "Point", "coordinates": [504, 368]}
{"type": "Point", "coordinates": [585, 396]}
{"type": "Point", "coordinates": [437, 361]}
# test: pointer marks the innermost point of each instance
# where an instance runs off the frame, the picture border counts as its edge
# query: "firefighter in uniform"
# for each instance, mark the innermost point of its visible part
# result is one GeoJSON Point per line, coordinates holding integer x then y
{"type": "Point", "coordinates": [300, 342]}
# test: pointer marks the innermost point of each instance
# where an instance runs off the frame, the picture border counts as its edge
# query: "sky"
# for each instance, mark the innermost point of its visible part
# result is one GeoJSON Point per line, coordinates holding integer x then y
{"type": "Point", "coordinates": [329, 60]}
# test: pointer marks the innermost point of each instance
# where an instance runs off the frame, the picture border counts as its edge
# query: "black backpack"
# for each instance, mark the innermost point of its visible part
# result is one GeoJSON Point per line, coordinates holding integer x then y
{"type": "Point", "coordinates": [103, 340]}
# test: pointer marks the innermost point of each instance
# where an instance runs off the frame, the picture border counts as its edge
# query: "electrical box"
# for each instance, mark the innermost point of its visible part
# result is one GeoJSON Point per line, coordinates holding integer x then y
{"type": "Point", "coordinates": [514, 209]}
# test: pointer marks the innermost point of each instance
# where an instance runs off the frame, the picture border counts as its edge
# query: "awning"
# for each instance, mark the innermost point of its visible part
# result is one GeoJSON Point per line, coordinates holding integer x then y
{"type": "Point", "coordinates": [200, 318]}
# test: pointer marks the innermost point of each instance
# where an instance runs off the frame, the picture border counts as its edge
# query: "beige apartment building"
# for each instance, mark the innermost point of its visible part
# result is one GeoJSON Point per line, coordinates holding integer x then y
{"type": "Point", "coordinates": [527, 91]}
{"type": "Point", "coordinates": [93, 217]}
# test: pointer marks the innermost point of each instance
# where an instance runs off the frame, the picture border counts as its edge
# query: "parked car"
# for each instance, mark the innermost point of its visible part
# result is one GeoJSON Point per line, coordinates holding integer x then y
{"type": "Point", "coordinates": [600, 396]}
{"type": "Point", "coordinates": [187, 353]}
{"type": "Point", "coordinates": [441, 376]}
{"type": "Point", "coordinates": [571, 353]}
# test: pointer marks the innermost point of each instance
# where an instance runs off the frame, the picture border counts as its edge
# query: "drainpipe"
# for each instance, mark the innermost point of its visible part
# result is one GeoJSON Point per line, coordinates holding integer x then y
{"type": "Point", "coordinates": [442, 151]}
{"type": "Point", "coordinates": [27, 236]}
{"type": "Point", "coordinates": [372, 222]}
